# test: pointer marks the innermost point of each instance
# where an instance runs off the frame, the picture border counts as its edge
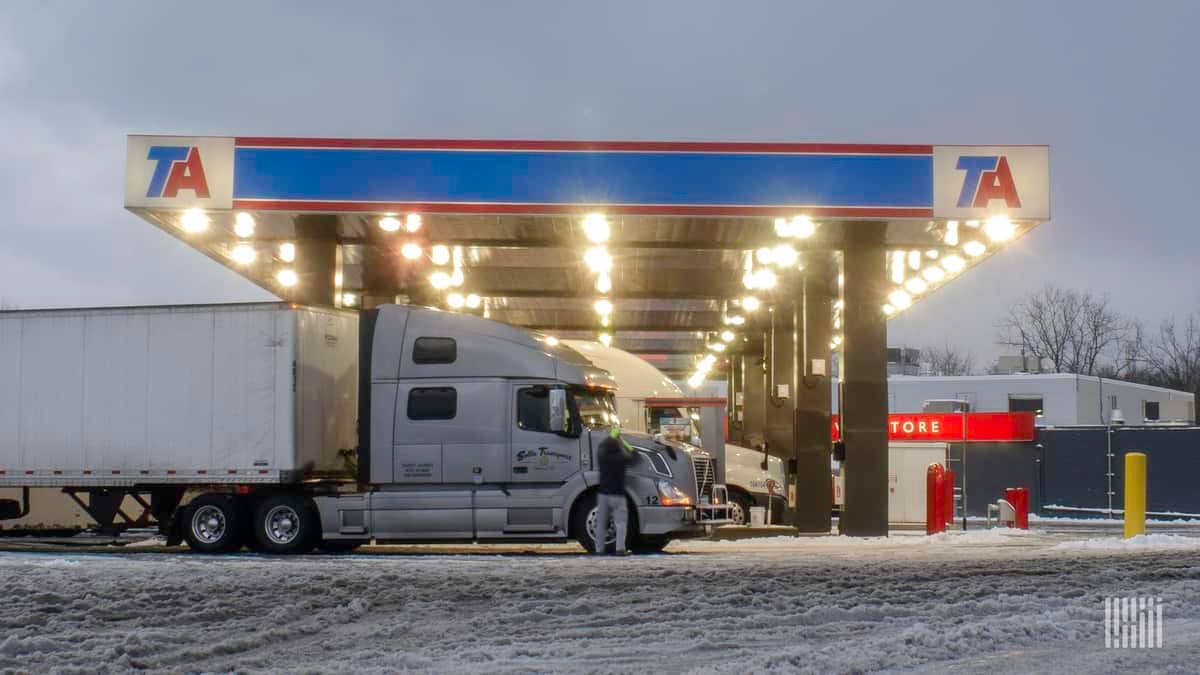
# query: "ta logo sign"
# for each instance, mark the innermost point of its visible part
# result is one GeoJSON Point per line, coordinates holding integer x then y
{"type": "Point", "coordinates": [178, 168]}
{"type": "Point", "coordinates": [987, 178]}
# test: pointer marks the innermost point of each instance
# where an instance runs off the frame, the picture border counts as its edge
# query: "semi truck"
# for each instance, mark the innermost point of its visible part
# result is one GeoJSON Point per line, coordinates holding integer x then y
{"type": "Point", "coordinates": [285, 428]}
{"type": "Point", "coordinates": [747, 482]}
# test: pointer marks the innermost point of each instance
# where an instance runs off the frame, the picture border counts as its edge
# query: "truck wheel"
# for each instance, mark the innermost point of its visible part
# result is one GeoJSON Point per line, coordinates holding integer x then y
{"type": "Point", "coordinates": [585, 523]}
{"type": "Point", "coordinates": [284, 524]}
{"type": "Point", "coordinates": [741, 508]}
{"type": "Point", "coordinates": [210, 524]}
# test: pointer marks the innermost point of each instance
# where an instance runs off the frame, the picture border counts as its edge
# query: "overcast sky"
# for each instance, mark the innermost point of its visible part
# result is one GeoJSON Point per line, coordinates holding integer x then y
{"type": "Point", "coordinates": [1111, 87]}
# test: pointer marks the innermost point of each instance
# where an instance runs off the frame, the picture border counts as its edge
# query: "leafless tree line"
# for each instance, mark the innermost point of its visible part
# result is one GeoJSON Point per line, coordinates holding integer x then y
{"type": "Point", "coordinates": [1071, 331]}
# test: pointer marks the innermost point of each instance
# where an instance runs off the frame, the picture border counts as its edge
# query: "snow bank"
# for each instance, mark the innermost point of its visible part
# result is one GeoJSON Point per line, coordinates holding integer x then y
{"type": "Point", "coordinates": [1139, 542]}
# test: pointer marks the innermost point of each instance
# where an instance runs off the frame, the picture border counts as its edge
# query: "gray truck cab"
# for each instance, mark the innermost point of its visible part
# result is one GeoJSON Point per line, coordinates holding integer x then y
{"type": "Point", "coordinates": [475, 430]}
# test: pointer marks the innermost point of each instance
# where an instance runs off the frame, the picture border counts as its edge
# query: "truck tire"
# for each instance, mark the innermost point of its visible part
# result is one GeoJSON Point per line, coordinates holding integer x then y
{"type": "Point", "coordinates": [210, 524]}
{"type": "Point", "coordinates": [741, 507]}
{"type": "Point", "coordinates": [585, 515]}
{"type": "Point", "coordinates": [284, 524]}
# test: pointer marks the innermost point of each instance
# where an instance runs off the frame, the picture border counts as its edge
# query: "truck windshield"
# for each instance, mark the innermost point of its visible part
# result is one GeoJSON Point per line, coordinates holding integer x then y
{"type": "Point", "coordinates": [595, 407]}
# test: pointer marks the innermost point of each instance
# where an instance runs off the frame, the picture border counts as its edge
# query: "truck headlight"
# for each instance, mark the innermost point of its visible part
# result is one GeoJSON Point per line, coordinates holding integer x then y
{"type": "Point", "coordinates": [670, 494]}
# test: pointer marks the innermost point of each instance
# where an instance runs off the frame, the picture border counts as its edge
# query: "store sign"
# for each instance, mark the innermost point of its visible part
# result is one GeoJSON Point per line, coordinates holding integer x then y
{"type": "Point", "coordinates": [974, 182]}
{"type": "Point", "coordinates": [179, 172]}
{"type": "Point", "coordinates": [981, 427]}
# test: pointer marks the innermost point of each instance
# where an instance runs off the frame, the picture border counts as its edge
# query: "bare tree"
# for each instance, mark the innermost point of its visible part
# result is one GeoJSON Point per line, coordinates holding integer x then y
{"type": "Point", "coordinates": [1172, 358]}
{"type": "Point", "coordinates": [1076, 331]}
{"type": "Point", "coordinates": [947, 360]}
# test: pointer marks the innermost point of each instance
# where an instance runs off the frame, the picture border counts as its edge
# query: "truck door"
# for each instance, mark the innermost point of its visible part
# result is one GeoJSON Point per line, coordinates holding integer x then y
{"type": "Point", "coordinates": [539, 455]}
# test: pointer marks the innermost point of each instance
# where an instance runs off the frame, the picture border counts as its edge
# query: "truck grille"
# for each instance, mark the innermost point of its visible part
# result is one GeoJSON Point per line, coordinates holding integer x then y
{"type": "Point", "coordinates": [706, 475]}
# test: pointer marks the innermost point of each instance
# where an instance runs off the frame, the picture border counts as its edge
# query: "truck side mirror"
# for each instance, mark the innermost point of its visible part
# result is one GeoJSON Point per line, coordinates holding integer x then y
{"type": "Point", "coordinates": [559, 422]}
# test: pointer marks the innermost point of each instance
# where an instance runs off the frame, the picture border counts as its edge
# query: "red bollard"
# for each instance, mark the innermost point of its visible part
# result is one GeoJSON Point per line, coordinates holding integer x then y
{"type": "Point", "coordinates": [948, 500]}
{"type": "Point", "coordinates": [1019, 498]}
{"type": "Point", "coordinates": [935, 497]}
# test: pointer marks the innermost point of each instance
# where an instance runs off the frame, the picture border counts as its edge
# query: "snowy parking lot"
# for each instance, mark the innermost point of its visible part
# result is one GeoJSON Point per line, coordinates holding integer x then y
{"type": "Point", "coordinates": [984, 601]}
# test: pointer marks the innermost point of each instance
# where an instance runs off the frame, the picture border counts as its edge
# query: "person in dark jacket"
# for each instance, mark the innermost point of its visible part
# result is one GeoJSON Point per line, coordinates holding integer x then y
{"type": "Point", "coordinates": [613, 456]}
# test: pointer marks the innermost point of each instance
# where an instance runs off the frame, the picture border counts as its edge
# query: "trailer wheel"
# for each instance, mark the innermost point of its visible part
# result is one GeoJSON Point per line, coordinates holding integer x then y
{"type": "Point", "coordinates": [284, 524]}
{"type": "Point", "coordinates": [211, 524]}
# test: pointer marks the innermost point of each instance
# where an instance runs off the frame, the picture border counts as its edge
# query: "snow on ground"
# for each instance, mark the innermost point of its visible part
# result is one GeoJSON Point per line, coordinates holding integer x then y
{"type": "Point", "coordinates": [982, 601]}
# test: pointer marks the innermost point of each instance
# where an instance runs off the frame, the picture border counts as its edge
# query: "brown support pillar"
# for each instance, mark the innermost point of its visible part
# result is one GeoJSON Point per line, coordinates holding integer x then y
{"type": "Point", "coordinates": [316, 261]}
{"type": "Point", "coordinates": [864, 381]}
{"type": "Point", "coordinates": [810, 488]}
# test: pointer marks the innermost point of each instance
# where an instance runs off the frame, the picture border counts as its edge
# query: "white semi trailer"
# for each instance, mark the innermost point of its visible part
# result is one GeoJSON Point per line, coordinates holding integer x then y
{"type": "Point", "coordinates": [283, 428]}
{"type": "Point", "coordinates": [747, 482]}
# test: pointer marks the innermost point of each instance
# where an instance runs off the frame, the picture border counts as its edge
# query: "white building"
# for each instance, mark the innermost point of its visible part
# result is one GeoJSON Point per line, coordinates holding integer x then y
{"type": "Point", "coordinates": [1061, 399]}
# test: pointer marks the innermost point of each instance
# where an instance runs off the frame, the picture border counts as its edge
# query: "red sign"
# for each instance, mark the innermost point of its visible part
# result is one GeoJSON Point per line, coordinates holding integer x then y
{"type": "Point", "coordinates": [981, 427]}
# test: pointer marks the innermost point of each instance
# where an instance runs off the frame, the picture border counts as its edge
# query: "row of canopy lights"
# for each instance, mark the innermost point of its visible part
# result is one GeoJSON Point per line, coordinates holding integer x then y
{"type": "Point", "coordinates": [916, 272]}
{"type": "Point", "coordinates": [760, 274]}
{"type": "Point", "coordinates": [600, 263]}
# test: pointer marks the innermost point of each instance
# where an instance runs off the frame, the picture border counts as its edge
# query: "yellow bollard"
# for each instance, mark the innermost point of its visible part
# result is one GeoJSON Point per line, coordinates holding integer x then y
{"type": "Point", "coordinates": [1135, 494]}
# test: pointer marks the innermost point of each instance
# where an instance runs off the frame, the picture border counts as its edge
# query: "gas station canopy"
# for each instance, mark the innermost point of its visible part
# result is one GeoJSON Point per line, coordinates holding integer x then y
{"type": "Point", "coordinates": [664, 247]}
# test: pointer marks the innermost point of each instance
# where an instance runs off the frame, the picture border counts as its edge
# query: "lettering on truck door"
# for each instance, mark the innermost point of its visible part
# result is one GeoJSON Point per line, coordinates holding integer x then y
{"type": "Point", "coordinates": [538, 454]}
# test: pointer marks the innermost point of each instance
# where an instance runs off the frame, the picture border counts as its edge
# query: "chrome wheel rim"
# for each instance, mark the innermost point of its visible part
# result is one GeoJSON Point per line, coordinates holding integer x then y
{"type": "Point", "coordinates": [610, 536]}
{"type": "Point", "coordinates": [282, 524]}
{"type": "Point", "coordinates": [739, 514]}
{"type": "Point", "coordinates": [209, 524]}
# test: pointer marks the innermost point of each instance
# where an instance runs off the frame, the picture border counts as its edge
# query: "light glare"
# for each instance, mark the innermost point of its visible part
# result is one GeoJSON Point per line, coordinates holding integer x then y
{"type": "Point", "coordinates": [933, 274]}
{"type": "Point", "coordinates": [900, 299]}
{"type": "Point", "coordinates": [389, 223]}
{"type": "Point", "coordinates": [974, 248]}
{"type": "Point", "coordinates": [410, 251]}
{"type": "Point", "coordinates": [999, 228]}
{"type": "Point", "coordinates": [440, 280]}
{"type": "Point", "coordinates": [194, 220]}
{"type": "Point", "coordinates": [287, 251]}
{"type": "Point", "coordinates": [750, 303]}
{"type": "Point", "coordinates": [244, 254]}
{"type": "Point", "coordinates": [412, 222]}
{"type": "Point", "coordinates": [243, 225]}
{"type": "Point", "coordinates": [473, 301]}
{"type": "Point", "coordinates": [440, 254]}
{"type": "Point", "coordinates": [953, 264]}
{"type": "Point", "coordinates": [597, 259]}
{"type": "Point", "coordinates": [595, 227]}
{"type": "Point", "coordinates": [916, 286]}
{"type": "Point", "coordinates": [286, 277]}
{"type": "Point", "coordinates": [456, 300]}
{"type": "Point", "coordinates": [803, 227]}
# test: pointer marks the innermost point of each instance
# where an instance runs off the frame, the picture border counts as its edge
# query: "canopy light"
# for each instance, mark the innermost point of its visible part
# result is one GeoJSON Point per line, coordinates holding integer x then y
{"type": "Point", "coordinates": [764, 278]}
{"type": "Point", "coordinates": [605, 339]}
{"type": "Point", "coordinates": [287, 251]}
{"type": "Point", "coordinates": [953, 264]}
{"type": "Point", "coordinates": [952, 233]}
{"type": "Point", "coordinates": [735, 320]}
{"type": "Point", "coordinates": [603, 307]}
{"type": "Point", "coordinates": [456, 300]}
{"type": "Point", "coordinates": [194, 220]}
{"type": "Point", "coordinates": [597, 259]}
{"type": "Point", "coordinates": [595, 228]}
{"type": "Point", "coordinates": [782, 227]}
{"type": "Point", "coordinates": [717, 346]}
{"type": "Point", "coordinates": [440, 280]}
{"type": "Point", "coordinates": [244, 254]}
{"type": "Point", "coordinates": [888, 310]}
{"type": "Point", "coordinates": [933, 274]}
{"type": "Point", "coordinates": [473, 301]}
{"type": "Point", "coordinates": [974, 248]}
{"type": "Point", "coordinates": [412, 222]}
{"type": "Point", "coordinates": [914, 260]}
{"type": "Point", "coordinates": [897, 267]}
{"type": "Point", "coordinates": [837, 340]}
{"type": "Point", "coordinates": [286, 277]}
{"type": "Point", "coordinates": [337, 280]}
{"type": "Point", "coordinates": [916, 286]}
{"type": "Point", "coordinates": [695, 381]}
{"type": "Point", "coordinates": [604, 321]}
{"type": "Point", "coordinates": [750, 303]}
{"type": "Point", "coordinates": [803, 227]}
{"type": "Point", "coordinates": [243, 225]}
{"type": "Point", "coordinates": [440, 255]}
{"type": "Point", "coordinates": [456, 277]}
{"type": "Point", "coordinates": [411, 251]}
{"type": "Point", "coordinates": [900, 299]}
{"type": "Point", "coordinates": [389, 223]}
{"type": "Point", "coordinates": [349, 299]}
{"type": "Point", "coordinates": [784, 255]}
{"type": "Point", "coordinates": [748, 280]}
{"type": "Point", "coordinates": [727, 335]}
{"type": "Point", "coordinates": [999, 228]}
{"type": "Point", "coordinates": [603, 283]}
{"type": "Point", "coordinates": [765, 256]}
{"type": "Point", "coordinates": [972, 223]}
{"type": "Point", "coordinates": [932, 254]}
{"type": "Point", "coordinates": [551, 340]}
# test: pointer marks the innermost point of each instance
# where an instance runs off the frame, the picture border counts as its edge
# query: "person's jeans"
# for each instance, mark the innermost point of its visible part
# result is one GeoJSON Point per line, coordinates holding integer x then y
{"type": "Point", "coordinates": [614, 506]}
